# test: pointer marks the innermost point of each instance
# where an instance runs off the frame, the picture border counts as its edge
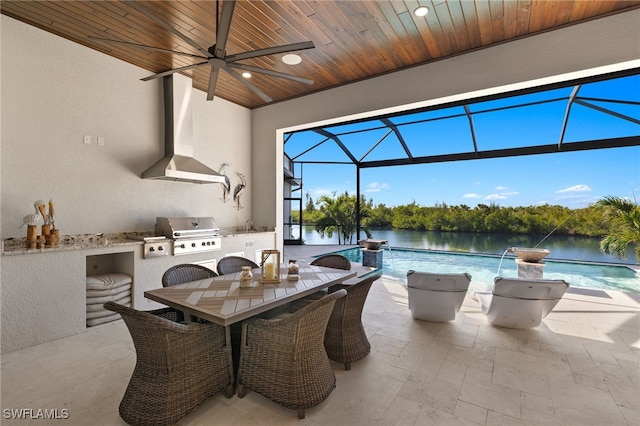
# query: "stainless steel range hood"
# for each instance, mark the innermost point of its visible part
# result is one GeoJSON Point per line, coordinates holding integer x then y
{"type": "Point", "coordinates": [178, 163]}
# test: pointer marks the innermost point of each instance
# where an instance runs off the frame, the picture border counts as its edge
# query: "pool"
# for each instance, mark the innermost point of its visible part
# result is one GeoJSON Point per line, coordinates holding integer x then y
{"type": "Point", "coordinates": [483, 268]}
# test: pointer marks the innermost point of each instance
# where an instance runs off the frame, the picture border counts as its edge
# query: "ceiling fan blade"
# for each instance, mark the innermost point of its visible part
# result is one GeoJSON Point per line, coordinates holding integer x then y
{"type": "Point", "coordinates": [213, 79]}
{"type": "Point", "coordinates": [223, 27]}
{"type": "Point", "coordinates": [269, 72]}
{"type": "Point", "coordinates": [270, 51]}
{"type": "Point", "coordinates": [253, 88]}
{"type": "Point", "coordinates": [166, 25]}
{"type": "Point", "coordinates": [143, 46]}
{"type": "Point", "coordinates": [175, 70]}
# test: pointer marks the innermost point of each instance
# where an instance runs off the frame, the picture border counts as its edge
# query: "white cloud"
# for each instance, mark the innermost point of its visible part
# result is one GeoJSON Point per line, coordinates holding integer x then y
{"type": "Point", "coordinates": [322, 191]}
{"type": "Point", "coordinates": [575, 196]}
{"type": "Point", "coordinates": [502, 195]}
{"type": "Point", "coordinates": [471, 195]}
{"type": "Point", "coordinates": [495, 197]}
{"type": "Point", "coordinates": [376, 187]}
{"type": "Point", "coordinates": [575, 188]}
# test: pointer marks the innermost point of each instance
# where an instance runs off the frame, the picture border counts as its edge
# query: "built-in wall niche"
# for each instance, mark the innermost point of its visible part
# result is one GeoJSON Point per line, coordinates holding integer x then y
{"type": "Point", "coordinates": [110, 263]}
{"type": "Point", "coordinates": [109, 279]}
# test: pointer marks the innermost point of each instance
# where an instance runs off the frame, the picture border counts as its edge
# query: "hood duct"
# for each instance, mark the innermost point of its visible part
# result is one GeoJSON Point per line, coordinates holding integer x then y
{"type": "Point", "coordinates": [178, 163]}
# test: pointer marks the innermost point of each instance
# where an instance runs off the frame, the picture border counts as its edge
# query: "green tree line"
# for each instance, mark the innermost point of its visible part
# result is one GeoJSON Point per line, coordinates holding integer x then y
{"type": "Point", "coordinates": [615, 220]}
{"type": "Point", "coordinates": [333, 212]}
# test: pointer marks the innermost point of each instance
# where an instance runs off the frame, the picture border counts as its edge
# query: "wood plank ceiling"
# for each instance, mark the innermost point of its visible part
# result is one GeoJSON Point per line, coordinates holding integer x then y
{"type": "Point", "coordinates": [354, 40]}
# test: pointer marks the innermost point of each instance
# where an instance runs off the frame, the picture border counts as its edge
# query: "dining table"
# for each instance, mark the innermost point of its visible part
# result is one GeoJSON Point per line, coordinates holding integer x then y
{"type": "Point", "coordinates": [221, 300]}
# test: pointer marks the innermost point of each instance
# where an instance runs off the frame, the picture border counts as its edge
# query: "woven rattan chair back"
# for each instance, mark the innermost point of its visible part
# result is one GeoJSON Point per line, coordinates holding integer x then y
{"type": "Point", "coordinates": [231, 264]}
{"type": "Point", "coordinates": [184, 273]}
{"type": "Point", "coordinates": [336, 261]}
{"type": "Point", "coordinates": [178, 366]}
{"type": "Point", "coordinates": [284, 359]}
{"type": "Point", "coordinates": [345, 339]}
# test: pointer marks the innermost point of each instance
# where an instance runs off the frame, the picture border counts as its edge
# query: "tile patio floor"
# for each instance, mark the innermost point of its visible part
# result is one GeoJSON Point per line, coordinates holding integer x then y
{"type": "Point", "coordinates": [580, 367]}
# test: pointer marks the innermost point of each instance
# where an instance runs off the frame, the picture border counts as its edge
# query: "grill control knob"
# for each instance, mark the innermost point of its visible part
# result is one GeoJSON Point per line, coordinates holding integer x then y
{"type": "Point", "coordinates": [204, 244]}
{"type": "Point", "coordinates": [160, 248]}
{"type": "Point", "coordinates": [181, 245]}
{"type": "Point", "coordinates": [152, 249]}
{"type": "Point", "coordinates": [193, 244]}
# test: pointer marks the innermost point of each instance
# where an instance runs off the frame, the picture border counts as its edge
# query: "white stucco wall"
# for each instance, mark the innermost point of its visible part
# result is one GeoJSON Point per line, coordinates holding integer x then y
{"type": "Point", "coordinates": [602, 42]}
{"type": "Point", "coordinates": [54, 92]}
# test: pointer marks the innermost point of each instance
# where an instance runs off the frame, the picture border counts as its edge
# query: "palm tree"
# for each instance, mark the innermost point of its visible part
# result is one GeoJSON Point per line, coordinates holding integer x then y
{"type": "Point", "coordinates": [626, 214]}
{"type": "Point", "coordinates": [330, 222]}
{"type": "Point", "coordinates": [340, 216]}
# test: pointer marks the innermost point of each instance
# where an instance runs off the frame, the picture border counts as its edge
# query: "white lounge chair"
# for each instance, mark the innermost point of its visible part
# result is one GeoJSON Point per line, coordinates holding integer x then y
{"type": "Point", "coordinates": [520, 303]}
{"type": "Point", "coordinates": [436, 297]}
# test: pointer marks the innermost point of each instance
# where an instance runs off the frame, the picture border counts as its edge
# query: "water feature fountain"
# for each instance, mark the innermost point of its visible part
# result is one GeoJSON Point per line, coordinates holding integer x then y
{"type": "Point", "coordinates": [372, 252]}
{"type": "Point", "coordinates": [529, 261]}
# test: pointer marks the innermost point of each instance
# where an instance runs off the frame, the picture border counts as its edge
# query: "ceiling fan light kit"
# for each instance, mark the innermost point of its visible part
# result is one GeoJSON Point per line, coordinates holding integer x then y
{"type": "Point", "coordinates": [216, 57]}
{"type": "Point", "coordinates": [421, 11]}
{"type": "Point", "coordinates": [291, 59]}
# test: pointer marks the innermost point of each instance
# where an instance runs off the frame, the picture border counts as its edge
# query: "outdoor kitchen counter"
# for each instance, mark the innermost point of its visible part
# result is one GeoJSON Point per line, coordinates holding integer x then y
{"type": "Point", "coordinates": [44, 296]}
{"type": "Point", "coordinates": [16, 246]}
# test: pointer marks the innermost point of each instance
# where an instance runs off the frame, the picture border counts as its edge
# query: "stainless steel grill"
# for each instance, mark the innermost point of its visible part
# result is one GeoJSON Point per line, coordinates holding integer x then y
{"type": "Point", "coordinates": [190, 234]}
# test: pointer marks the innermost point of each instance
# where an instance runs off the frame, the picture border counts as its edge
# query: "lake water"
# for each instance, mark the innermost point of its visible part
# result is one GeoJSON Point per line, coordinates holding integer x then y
{"type": "Point", "coordinates": [561, 247]}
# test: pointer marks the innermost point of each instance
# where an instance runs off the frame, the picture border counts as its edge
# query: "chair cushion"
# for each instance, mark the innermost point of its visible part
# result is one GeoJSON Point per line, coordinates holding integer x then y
{"type": "Point", "coordinates": [107, 281]}
{"type": "Point", "coordinates": [108, 291]}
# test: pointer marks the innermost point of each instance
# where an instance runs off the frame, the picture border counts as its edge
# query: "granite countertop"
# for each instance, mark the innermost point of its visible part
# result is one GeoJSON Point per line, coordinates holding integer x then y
{"type": "Point", "coordinates": [240, 230]}
{"type": "Point", "coordinates": [15, 246]}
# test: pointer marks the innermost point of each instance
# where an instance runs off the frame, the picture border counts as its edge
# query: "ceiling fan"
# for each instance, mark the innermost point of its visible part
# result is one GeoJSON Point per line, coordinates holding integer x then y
{"type": "Point", "coordinates": [215, 56]}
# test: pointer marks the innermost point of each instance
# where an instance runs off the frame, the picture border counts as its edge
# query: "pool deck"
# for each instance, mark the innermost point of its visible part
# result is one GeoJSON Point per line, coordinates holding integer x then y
{"type": "Point", "coordinates": [597, 314]}
{"type": "Point", "coordinates": [585, 352]}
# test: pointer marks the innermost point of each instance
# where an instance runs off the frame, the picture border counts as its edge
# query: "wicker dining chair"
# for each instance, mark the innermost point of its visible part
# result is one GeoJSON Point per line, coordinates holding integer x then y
{"type": "Point", "coordinates": [186, 272]}
{"type": "Point", "coordinates": [284, 359]}
{"type": "Point", "coordinates": [231, 264]}
{"type": "Point", "coordinates": [178, 366]}
{"type": "Point", "coordinates": [333, 260]}
{"type": "Point", "coordinates": [345, 339]}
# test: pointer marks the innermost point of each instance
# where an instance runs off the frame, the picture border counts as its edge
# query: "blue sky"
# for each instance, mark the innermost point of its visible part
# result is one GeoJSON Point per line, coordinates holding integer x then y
{"type": "Point", "coordinates": [571, 179]}
{"type": "Point", "coordinates": [574, 180]}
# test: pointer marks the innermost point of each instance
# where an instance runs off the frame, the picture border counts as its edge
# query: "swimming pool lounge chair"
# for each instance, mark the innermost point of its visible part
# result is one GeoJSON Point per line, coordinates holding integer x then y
{"type": "Point", "coordinates": [436, 297]}
{"type": "Point", "coordinates": [520, 303]}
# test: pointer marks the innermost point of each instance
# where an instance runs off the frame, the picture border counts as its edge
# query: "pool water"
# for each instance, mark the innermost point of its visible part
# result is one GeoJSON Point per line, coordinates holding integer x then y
{"type": "Point", "coordinates": [484, 268]}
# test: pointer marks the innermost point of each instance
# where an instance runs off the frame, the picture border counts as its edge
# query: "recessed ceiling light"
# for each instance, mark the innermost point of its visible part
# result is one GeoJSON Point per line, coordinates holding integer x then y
{"type": "Point", "coordinates": [421, 11]}
{"type": "Point", "coordinates": [291, 59]}
{"type": "Point", "coordinates": [246, 74]}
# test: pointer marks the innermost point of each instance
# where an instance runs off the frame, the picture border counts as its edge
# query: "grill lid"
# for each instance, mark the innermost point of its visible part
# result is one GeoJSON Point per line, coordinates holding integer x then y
{"type": "Point", "coordinates": [186, 227]}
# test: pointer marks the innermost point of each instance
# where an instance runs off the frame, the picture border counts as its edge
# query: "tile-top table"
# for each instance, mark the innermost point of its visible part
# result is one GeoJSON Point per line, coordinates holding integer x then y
{"type": "Point", "coordinates": [221, 300]}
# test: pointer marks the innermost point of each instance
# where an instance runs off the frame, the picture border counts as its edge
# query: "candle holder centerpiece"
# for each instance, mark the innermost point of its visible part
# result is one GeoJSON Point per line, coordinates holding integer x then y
{"type": "Point", "coordinates": [270, 267]}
